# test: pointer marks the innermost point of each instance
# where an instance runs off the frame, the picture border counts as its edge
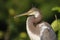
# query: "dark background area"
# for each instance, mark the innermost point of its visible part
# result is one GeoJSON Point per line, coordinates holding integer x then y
{"type": "Point", "coordinates": [15, 29]}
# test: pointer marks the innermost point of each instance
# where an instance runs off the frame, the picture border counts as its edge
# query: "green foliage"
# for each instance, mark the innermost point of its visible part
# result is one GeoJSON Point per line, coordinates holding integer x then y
{"type": "Point", "coordinates": [16, 27]}
{"type": "Point", "coordinates": [22, 36]}
{"type": "Point", "coordinates": [1, 34]}
{"type": "Point", "coordinates": [20, 6]}
{"type": "Point", "coordinates": [56, 25]}
{"type": "Point", "coordinates": [56, 9]}
{"type": "Point", "coordinates": [59, 35]}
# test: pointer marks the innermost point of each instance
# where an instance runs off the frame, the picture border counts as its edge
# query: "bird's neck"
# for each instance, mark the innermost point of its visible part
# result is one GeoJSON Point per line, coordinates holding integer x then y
{"type": "Point", "coordinates": [30, 24]}
{"type": "Point", "coordinates": [34, 19]}
{"type": "Point", "coordinates": [38, 17]}
{"type": "Point", "coordinates": [31, 20]}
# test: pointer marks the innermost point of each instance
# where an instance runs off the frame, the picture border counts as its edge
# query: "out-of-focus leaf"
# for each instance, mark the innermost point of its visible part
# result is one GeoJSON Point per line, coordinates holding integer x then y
{"type": "Point", "coordinates": [56, 9]}
{"type": "Point", "coordinates": [59, 35]}
{"type": "Point", "coordinates": [56, 25]}
{"type": "Point", "coordinates": [1, 34]}
{"type": "Point", "coordinates": [22, 36]}
{"type": "Point", "coordinates": [11, 12]}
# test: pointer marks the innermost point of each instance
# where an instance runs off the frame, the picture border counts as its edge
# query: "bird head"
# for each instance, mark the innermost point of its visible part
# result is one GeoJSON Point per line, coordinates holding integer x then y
{"type": "Point", "coordinates": [34, 11]}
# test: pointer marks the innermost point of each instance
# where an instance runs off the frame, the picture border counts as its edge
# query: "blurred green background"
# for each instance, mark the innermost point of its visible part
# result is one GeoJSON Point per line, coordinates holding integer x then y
{"type": "Point", "coordinates": [15, 28]}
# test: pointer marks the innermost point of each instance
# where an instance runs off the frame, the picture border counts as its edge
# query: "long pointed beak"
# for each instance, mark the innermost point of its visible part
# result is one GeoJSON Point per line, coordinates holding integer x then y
{"type": "Point", "coordinates": [21, 15]}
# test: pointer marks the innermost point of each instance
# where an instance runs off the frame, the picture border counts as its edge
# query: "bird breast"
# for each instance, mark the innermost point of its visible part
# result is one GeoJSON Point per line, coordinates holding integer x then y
{"type": "Point", "coordinates": [32, 35]}
{"type": "Point", "coordinates": [30, 29]}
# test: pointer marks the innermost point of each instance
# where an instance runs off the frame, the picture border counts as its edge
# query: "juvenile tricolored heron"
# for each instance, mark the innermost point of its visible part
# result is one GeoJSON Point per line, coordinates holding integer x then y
{"type": "Point", "coordinates": [36, 28]}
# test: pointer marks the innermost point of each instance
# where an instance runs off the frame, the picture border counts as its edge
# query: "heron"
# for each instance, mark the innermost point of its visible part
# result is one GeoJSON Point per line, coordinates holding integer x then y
{"type": "Point", "coordinates": [38, 29]}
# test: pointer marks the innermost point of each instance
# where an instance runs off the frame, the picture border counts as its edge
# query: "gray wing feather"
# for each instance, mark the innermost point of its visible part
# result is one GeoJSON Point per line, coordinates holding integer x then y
{"type": "Point", "coordinates": [48, 34]}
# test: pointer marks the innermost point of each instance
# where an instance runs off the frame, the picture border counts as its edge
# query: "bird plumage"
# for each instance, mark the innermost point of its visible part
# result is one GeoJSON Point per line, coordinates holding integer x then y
{"type": "Point", "coordinates": [36, 28]}
{"type": "Point", "coordinates": [41, 31]}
